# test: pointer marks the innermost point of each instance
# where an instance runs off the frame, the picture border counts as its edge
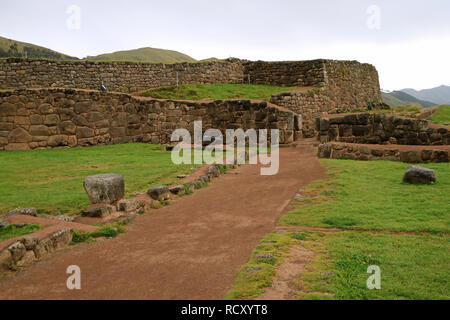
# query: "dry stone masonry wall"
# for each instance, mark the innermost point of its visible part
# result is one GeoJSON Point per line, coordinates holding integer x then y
{"type": "Point", "coordinates": [116, 76]}
{"type": "Point", "coordinates": [328, 86]}
{"type": "Point", "coordinates": [345, 86]}
{"type": "Point", "coordinates": [46, 118]}
{"type": "Point", "coordinates": [379, 128]}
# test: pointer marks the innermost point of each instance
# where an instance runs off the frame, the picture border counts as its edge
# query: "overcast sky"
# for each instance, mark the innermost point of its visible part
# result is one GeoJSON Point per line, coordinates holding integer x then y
{"type": "Point", "coordinates": [407, 41]}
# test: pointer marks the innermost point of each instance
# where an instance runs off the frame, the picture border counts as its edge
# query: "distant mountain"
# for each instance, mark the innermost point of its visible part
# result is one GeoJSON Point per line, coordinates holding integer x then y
{"type": "Point", "coordinates": [18, 49]}
{"type": "Point", "coordinates": [144, 55]}
{"type": "Point", "coordinates": [400, 98]}
{"type": "Point", "coordinates": [438, 95]}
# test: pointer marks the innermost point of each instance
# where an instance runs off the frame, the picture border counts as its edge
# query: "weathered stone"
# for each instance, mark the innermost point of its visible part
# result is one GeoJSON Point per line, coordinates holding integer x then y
{"type": "Point", "coordinates": [29, 242]}
{"type": "Point", "coordinates": [51, 120]}
{"type": "Point", "coordinates": [44, 247]}
{"type": "Point", "coordinates": [128, 205]}
{"type": "Point", "coordinates": [4, 223]}
{"type": "Point", "coordinates": [159, 192]}
{"type": "Point", "coordinates": [39, 130]}
{"type": "Point", "coordinates": [259, 256]}
{"type": "Point", "coordinates": [62, 238]}
{"type": "Point", "coordinates": [213, 171]}
{"type": "Point", "coordinates": [98, 212]}
{"type": "Point", "coordinates": [7, 109]}
{"type": "Point", "coordinates": [411, 156]}
{"type": "Point", "coordinates": [67, 127]}
{"type": "Point", "coordinates": [82, 107]}
{"type": "Point", "coordinates": [19, 135]}
{"type": "Point", "coordinates": [24, 211]}
{"type": "Point", "coordinates": [178, 190]}
{"type": "Point", "coordinates": [104, 188]}
{"type": "Point", "coordinates": [6, 260]}
{"type": "Point", "coordinates": [45, 108]}
{"type": "Point", "coordinates": [17, 250]}
{"type": "Point", "coordinates": [58, 140]}
{"type": "Point", "coordinates": [419, 175]}
{"type": "Point", "coordinates": [84, 132]}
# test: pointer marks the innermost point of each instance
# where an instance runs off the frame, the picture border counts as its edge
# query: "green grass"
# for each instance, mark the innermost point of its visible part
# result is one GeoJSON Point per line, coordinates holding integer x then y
{"type": "Point", "coordinates": [250, 285]}
{"type": "Point", "coordinates": [51, 180]}
{"type": "Point", "coordinates": [441, 115]}
{"type": "Point", "coordinates": [216, 92]}
{"type": "Point", "coordinates": [152, 55]}
{"type": "Point", "coordinates": [364, 196]}
{"type": "Point", "coordinates": [403, 111]}
{"type": "Point", "coordinates": [371, 196]}
{"type": "Point", "coordinates": [412, 267]}
{"type": "Point", "coordinates": [11, 231]}
{"type": "Point", "coordinates": [109, 231]}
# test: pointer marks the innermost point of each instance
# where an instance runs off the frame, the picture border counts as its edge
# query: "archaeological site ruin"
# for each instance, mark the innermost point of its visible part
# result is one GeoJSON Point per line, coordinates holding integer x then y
{"type": "Point", "coordinates": [46, 104]}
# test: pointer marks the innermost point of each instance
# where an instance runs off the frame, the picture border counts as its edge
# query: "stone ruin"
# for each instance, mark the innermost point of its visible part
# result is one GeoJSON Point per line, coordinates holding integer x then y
{"type": "Point", "coordinates": [46, 104]}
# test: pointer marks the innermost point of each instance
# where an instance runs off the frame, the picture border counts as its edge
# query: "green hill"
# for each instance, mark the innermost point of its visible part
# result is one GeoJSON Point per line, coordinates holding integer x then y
{"type": "Point", "coordinates": [144, 55]}
{"type": "Point", "coordinates": [12, 48]}
{"type": "Point", "coordinates": [400, 98]}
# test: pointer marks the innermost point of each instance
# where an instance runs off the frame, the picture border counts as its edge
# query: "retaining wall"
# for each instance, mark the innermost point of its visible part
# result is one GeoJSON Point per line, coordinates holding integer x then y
{"type": "Point", "coordinates": [337, 150]}
{"type": "Point", "coordinates": [117, 76]}
{"type": "Point", "coordinates": [379, 128]}
{"type": "Point", "coordinates": [46, 118]}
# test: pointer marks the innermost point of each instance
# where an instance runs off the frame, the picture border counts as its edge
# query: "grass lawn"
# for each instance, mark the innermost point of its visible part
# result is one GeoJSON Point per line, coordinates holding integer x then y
{"type": "Point", "coordinates": [412, 266]}
{"type": "Point", "coordinates": [215, 92]}
{"type": "Point", "coordinates": [11, 231]}
{"type": "Point", "coordinates": [51, 180]}
{"type": "Point", "coordinates": [363, 196]}
{"type": "Point", "coordinates": [441, 115]}
{"type": "Point", "coordinates": [370, 195]}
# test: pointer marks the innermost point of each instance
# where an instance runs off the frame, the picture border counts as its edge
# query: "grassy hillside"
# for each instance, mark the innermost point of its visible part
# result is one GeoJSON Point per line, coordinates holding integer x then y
{"type": "Point", "coordinates": [391, 100]}
{"type": "Point", "coordinates": [442, 115]}
{"type": "Point", "coordinates": [215, 92]}
{"type": "Point", "coordinates": [400, 98]}
{"type": "Point", "coordinates": [13, 48]}
{"type": "Point", "coordinates": [144, 55]}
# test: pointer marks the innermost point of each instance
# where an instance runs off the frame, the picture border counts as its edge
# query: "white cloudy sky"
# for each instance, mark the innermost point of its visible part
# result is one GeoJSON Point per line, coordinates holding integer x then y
{"type": "Point", "coordinates": [410, 48]}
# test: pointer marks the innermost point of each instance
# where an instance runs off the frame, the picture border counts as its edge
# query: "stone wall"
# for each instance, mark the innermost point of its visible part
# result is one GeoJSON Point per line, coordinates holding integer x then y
{"type": "Point", "coordinates": [379, 128]}
{"type": "Point", "coordinates": [46, 118]}
{"type": "Point", "coordinates": [380, 152]}
{"type": "Point", "coordinates": [117, 76]}
{"type": "Point", "coordinates": [347, 86]}
{"type": "Point", "coordinates": [285, 73]}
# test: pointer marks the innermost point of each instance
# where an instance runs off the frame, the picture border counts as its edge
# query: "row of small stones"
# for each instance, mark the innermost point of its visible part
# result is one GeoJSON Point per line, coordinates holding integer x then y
{"type": "Point", "coordinates": [159, 195]}
{"type": "Point", "coordinates": [30, 249]}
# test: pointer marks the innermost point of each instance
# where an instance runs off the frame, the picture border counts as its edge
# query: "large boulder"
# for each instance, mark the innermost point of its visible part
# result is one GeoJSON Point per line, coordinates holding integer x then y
{"type": "Point", "coordinates": [419, 175]}
{"type": "Point", "coordinates": [104, 188]}
{"type": "Point", "coordinates": [159, 192]}
{"type": "Point", "coordinates": [213, 171]}
{"type": "Point", "coordinates": [25, 211]}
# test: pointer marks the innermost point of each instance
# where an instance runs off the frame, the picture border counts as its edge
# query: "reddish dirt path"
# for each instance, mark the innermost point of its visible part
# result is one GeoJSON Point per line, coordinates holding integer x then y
{"type": "Point", "coordinates": [191, 249]}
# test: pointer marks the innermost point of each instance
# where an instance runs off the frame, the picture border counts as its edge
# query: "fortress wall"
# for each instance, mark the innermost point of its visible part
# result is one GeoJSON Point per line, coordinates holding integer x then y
{"type": "Point", "coordinates": [117, 76]}
{"type": "Point", "coordinates": [352, 85]}
{"type": "Point", "coordinates": [379, 128]}
{"type": "Point", "coordinates": [285, 73]}
{"type": "Point", "coordinates": [348, 86]}
{"type": "Point", "coordinates": [47, 118]}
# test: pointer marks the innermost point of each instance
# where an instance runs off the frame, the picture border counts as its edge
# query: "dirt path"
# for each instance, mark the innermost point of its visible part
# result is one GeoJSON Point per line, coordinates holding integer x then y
{"type": "Point", "coordinates": [191, 249]}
